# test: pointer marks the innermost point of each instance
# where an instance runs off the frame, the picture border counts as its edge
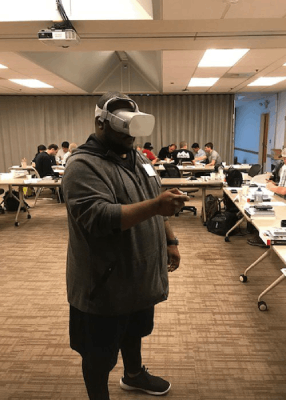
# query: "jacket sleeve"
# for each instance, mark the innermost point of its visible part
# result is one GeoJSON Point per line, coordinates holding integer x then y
{"type": "Point", "coordinates": [91, 199]}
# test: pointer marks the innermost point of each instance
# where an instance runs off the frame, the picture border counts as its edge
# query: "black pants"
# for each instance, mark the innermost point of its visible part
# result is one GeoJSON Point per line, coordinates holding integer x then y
{"type": "Point", "coordinates": [99, 338]}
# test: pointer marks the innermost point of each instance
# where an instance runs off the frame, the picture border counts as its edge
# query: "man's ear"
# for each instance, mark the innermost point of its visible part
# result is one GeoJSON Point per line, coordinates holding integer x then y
{"type": "Point", "coordinates": [99, 123]}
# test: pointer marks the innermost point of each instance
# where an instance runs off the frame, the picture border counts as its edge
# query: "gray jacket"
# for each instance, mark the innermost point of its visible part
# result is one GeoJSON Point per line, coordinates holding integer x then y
{"type": "Point", "coordinates": [109, 271]}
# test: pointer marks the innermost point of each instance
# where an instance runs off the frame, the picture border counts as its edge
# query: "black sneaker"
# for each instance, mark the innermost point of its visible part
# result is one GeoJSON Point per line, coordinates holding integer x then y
{"type": "Point", "coordinates": [146, 383]}
{"type": "Point", "coordinates": [257, 242]}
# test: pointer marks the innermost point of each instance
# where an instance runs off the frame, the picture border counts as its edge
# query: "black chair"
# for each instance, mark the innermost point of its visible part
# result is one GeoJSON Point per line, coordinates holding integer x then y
{"type": "Point", "coordinates": [2, 210]}
{"type": "Point", "coordinates": [174, 172]}
{"type": "Point", "coordinates": [254, 170]}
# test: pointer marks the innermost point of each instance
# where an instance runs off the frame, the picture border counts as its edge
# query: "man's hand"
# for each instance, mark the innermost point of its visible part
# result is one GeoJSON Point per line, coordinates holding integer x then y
{"type": "Point", "coordinates": [171, 201]}
{"type": "Point", "coordinates": [173, 258]}
{"type": "Point", "coordinates": [271, 186]}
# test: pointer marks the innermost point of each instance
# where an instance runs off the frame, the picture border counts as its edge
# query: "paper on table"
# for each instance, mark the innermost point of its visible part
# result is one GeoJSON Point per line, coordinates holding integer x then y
{"type": "Point", "coordinates": [277, 203]}
{"type": "Point", "coordinates": [33, 180]}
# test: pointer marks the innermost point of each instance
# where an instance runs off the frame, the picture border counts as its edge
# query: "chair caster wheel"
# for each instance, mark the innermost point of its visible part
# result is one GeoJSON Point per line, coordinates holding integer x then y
{"type": "Point", "coordinates": [17, 223]}
{"type": "Point", "coordinates": [243, 278]}
{"type": "Point", "coordinates": [262, 306]}
{"type": "Point", "coordinates": [226, 239]}
{"type": "Point", "coordinates": [29, 216]}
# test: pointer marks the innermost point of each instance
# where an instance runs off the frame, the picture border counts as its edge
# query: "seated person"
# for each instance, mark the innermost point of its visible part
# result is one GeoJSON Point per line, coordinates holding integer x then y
{"type": "Point", "coordinates": [213, 158]}
{"type": "Point", "coordinates": [279, 188]}
{"type": "Point", "coordinates": [72, 148]}
{"type": "Point", "coordinates": [166, 152]}
{"type": "Point", "coordinates": [183, 154]}
{"type": "Point", "coordinates": [45, 161]}
{"type": "Point", "coordinates": [276, 172]}
{"type": "Point", "coordinates": [41, 148]}
{"type": "Point", "coordinates": [147, 151]}
{"type": "Point", "coordinates": [200, 155]}
{"type": "Point", "coordinates": [62, 152]}
{"type": "Point", "coordinates": [139, 148]}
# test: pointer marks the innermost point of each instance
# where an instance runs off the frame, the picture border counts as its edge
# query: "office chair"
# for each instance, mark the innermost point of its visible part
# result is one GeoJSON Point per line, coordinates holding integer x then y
{"type": "Point", "coordinates": [174, 172]}
{"type": "Point", "coordinates": [2, 210]}
{"type": "Point", "coordinates": [254, 170]}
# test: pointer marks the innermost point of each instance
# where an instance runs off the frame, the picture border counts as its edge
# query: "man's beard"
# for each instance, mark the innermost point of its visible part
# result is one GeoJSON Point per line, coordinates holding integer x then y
{"type": "Point", "coordinates": [117, 146]}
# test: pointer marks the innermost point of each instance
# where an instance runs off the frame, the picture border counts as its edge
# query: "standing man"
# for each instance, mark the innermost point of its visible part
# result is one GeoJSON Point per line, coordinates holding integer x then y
{"type": "Point", "coordinates": [200, 155]}
{"type": "Point", "coordinates": [213, 157]}
{"type": "Point", "coordinates": [183, 154]}
{"type": "Point", "coordinates": [120, 243]}
{"type": "Point", "coordinates": [45, 160]}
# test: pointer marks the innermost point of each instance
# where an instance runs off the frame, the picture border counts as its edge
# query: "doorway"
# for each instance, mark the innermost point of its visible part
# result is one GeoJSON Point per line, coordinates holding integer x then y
{"type": "Point", "coordinates": [263, 140]}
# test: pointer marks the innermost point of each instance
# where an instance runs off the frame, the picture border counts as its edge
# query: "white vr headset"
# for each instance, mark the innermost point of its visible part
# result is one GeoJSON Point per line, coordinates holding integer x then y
{"type": "Point", "coordinates": [134, 123]}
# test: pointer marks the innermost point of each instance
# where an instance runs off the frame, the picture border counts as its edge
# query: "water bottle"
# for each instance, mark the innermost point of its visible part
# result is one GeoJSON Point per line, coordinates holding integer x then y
{"type": "Point", "coordinates": [24, 163]}
{"type": "Point", "coordinates": [258, 195]}
{"type": "Point", "coordinates": [220, 170]}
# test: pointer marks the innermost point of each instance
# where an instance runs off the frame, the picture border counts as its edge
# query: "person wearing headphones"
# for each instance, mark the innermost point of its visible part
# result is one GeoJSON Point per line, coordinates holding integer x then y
{"type": "Point", "coordinates": [121, 247]}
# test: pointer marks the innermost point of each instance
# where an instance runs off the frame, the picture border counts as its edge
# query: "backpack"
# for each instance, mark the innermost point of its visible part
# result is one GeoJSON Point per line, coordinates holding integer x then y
{"type": "Point", "coordinates": [233, 177]}
{"type": "Point", "coordinates": [11, 203]}
{"type": "Point", "coordinates": [222, 222]}
{"type": "Point", "coordinates": [212, 206]}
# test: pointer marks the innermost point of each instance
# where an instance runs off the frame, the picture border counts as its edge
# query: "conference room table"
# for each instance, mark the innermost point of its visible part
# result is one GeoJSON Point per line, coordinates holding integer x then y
{"type": "Point", "coordinates": [203, 183]}
{"type": "Point", "coordinates": [30, 168]}
{"type": "Point", "coordinates": [262, 224]}
{"type": "Point", "coordinates": [194, 169]}
{"type": "Point", "coordinates": [23, 182]}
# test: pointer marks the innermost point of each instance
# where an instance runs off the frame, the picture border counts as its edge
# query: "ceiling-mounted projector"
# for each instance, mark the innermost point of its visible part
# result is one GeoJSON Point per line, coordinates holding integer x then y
{"type": "Point", "coordinates": [59, 37]}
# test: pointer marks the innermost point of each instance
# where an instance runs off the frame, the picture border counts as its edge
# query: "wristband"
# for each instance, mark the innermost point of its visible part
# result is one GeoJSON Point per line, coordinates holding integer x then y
{"type": "Point", "coordinates": [173, 242]}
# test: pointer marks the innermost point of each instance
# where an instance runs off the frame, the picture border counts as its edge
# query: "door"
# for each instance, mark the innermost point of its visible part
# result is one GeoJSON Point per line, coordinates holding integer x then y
{"type": "Point", "coordinates": [264, 125]}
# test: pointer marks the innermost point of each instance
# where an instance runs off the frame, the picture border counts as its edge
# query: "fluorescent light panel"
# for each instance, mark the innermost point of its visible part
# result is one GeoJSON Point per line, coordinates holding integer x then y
{"type": "Point", "coordinates": [3, 66]}
{"type": "Point", "coordinates": [31, 83]}
{"type": "Point", "coordinates": [202, 82]}
{"type": "Point", "coordinates": [221, 57]}
{"type": "Point", "coordinates": [267, 81]}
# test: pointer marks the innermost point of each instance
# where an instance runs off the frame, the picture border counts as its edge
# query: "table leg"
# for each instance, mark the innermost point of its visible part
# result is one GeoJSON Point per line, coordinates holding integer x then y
{"type": "Point", "coordinates": [231, 229]}
{"type": "Point", "coordinates": [204, 204]}
{"type": "Point", "coordinates": [21, 205]}
{"type": "Point", "coordinates": [243, 277]}
{"type": "Point", "coordinates": [272, 286]}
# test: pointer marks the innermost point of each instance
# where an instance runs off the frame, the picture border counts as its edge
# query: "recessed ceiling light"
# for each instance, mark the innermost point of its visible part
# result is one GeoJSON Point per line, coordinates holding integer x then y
{"type": "Point", "coordinates": [3, 66]}
{"type": "Point", "coordinates": [31, 83]}
{"type": "Point", "coordinates": [221, 57]}
{"type": "Point", "coordinates": [284, 65]}
{"type": "Point", "coordinates": [267, 81]}
{"type": "Point", "coordinates": [201, 82]}
{"type": "Point", "coordinates": [231, 1]}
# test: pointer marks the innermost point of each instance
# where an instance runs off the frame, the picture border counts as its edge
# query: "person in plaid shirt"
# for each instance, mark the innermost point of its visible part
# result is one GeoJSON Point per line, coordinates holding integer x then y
{"type": "Point", "coordinates": [279, 188]}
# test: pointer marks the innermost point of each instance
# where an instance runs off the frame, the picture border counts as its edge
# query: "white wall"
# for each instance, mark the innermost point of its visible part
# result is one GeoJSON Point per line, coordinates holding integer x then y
{"type": "Point", "coordinates": [280, 139]}
{"type": "Point", "coordinates": [247, 128]}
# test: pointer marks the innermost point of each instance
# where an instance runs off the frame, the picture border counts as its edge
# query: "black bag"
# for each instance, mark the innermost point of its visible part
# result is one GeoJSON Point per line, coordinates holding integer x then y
{"type": "Point", "coordinates": [212, 206]}
{"type": "Point", "coordinates": [229, 204]}
{"type": "Point", "coordinates": [222, 222]}
{"type": "Point", "coordinates": [10, 202]}
{"type": "Point", "coordinates": [233, 177]}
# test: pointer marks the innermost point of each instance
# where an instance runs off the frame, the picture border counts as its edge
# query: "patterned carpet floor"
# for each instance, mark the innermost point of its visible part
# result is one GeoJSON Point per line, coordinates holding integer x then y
{"type": "Point", "coordinates": [210, 340]}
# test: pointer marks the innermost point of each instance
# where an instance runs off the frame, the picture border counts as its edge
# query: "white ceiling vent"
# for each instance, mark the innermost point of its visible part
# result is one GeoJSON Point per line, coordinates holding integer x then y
{"type": "Point", "coordinates": [242, 75]}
